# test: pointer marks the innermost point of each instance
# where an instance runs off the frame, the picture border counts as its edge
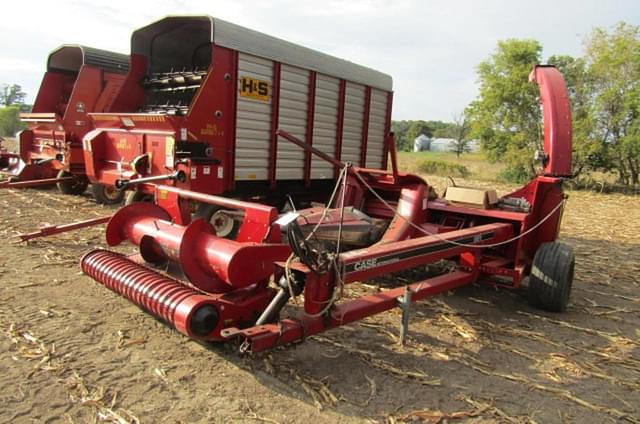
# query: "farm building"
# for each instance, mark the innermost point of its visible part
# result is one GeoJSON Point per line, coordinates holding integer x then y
{"type": "Point", "coordinates": [441, 144]}
{"type": "Point", "coordinates": [423, 143]}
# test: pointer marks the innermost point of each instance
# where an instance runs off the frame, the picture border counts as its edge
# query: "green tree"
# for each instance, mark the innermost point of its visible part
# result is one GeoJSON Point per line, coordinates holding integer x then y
{"type": "Point", "coordinates": [10, 121]}
{"type": "Point", "coordinates": [407, 131]}
{"type": "Point", "coordinates": [460, 134]}
{"type": "Point", "coordinates": [12, 94]}
{"type": "Point", "coordinates": [447, 131]}
{"type": "Point", "coordinates": [441, 129]}
{"type": "Point", "coordinates": [417, 128]}
{"type": "Point", "coordinates": [589, 150]}
{"type": "Point", "coordinates": [614, 66]}
{"type": "Point", "coordinates": [400, 128]}
{"type": "Point", "coordinates": [506, 115]}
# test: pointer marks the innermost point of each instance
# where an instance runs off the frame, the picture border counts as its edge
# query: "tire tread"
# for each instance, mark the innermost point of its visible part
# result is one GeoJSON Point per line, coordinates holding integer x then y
{"type": "Point", "coordinates": [75, 187]}
{"type": "Point", "coordinates": [551, 277]}
{"type": "Point", "coordinates": [101, 199]}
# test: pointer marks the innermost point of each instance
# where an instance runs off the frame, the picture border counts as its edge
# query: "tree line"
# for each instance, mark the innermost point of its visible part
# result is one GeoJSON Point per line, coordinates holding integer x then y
{"type": "Point", "coordinates": [458, 130]}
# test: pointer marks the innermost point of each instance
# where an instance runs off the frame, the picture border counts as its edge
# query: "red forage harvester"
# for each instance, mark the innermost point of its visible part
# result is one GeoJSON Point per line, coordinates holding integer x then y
{"type": "Point", "coordinates": [239, 285]}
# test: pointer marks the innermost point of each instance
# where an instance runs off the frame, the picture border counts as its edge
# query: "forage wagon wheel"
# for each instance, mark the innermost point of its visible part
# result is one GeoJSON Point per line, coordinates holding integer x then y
{"type": "Point", "coordinates": [222, 221]}
{"type": "Point", "coordinates": [76, 186]}
{"type": "Point", "coordinates": [551, 277]}
{"type": "Point", "coordinates": [136, 196]}
{"type": "Point", "coordinates": [107, 195]}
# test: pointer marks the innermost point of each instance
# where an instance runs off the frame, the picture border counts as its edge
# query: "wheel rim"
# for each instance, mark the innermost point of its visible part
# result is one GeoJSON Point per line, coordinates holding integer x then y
{"type": "Point", "coordinates": [78, 183]}
{"type": "Point", "coordinates": [138, 196]}
{"type": "Point", "coordinates": [111, 192]}
{"type": "Point", "coordinates": [222, 223]}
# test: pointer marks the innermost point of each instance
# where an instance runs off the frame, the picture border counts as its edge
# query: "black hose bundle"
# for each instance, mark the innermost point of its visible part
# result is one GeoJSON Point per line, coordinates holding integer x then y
{"type": "Point", "coordinates": [315, 257]}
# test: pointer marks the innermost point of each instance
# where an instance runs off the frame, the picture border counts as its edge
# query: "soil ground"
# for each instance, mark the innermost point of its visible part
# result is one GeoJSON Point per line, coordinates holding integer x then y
{"type": "Point", "coordinates": [73, 351]}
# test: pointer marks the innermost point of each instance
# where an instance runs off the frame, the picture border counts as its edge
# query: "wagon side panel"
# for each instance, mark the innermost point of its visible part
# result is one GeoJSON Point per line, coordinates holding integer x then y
{"type": "Point", "coordinates": [325, 127]}
{"type": "Point", "coordinates": [253, 118]}
{"type": "Point", "coordinates": [292, 116]}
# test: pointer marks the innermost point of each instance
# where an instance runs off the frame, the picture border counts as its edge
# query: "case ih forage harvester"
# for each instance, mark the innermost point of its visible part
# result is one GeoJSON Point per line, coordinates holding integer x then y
{"type": "Point", "coordinates": [376, 222]}
{"type": "Point", "coordinates": [78, 80]}
{"type": "Point", "coordinates": [210, 97]}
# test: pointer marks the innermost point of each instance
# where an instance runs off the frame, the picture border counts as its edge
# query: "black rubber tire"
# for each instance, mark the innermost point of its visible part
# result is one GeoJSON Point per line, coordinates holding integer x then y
{"type": "Point", "coordinates": [107, 195]}
{"type": "Point", "coordinates": [551, 277]}
{"type": "Point", "coordinates": [76, 187]}
{"type": "Point", "coordinates": [206, 211]}
{"type": "Point", "coordinates": [137, 196]}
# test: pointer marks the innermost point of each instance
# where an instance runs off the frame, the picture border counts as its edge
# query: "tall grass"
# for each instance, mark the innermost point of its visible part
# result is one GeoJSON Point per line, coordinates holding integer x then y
{"type": "Point", "coordinates": [445, 169]}
{"type": "Point", "coordinates": [476, 164]}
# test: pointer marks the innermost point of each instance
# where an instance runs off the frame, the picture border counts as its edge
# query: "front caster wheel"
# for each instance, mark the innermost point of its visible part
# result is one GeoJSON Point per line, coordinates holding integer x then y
{"type": "Point", "coordinates": [137, 196]}
{"type": "Point", "coordinates": [75, 187]}
{"type": "Point", "coordinates": [107, 195]}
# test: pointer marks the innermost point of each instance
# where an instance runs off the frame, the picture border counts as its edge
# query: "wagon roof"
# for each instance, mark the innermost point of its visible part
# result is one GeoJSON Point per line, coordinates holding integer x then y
{"type": "Point", "coordinates": [245, 40]}
{"type": "Point", "coordinates": [70, 57]}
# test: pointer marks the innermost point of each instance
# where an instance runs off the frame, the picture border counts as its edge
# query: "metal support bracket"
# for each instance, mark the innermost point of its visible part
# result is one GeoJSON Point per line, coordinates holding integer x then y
{"type": "Point", "coordinates": [404, 302]}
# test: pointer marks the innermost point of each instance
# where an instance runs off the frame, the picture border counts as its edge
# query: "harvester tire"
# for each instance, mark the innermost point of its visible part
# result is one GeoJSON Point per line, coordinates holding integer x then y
{"type": "Point", "coordinates": [75, 187]}
{"type": "Point", "coordinates": [107, 195]}
{"type": "Point", "coordinates": [136, 197]}
{"type": "Point", "coordinates": [551, 277]}
{"type": "Point", "coordinates": [224, 224]}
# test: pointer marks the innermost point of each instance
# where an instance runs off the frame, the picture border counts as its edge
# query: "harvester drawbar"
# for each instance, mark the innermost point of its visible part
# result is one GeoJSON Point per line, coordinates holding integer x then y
{"type": "Point", "coordinates": [375, 223]}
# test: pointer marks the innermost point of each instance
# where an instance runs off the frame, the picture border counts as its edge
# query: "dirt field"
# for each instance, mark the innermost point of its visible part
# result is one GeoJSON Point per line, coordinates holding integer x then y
{"type": "Point", "coordinates": [72, 351]}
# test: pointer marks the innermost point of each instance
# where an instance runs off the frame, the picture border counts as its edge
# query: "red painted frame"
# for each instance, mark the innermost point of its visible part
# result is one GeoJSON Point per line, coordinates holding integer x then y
{"type": "Point", "coordinates": [289, 330]}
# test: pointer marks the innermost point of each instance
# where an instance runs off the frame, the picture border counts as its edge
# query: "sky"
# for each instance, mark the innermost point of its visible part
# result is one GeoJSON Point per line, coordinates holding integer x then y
{"type": "Point", "coordinates": [431, 48]}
